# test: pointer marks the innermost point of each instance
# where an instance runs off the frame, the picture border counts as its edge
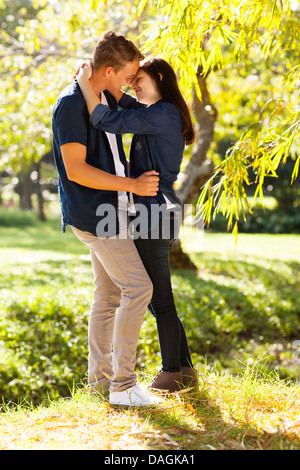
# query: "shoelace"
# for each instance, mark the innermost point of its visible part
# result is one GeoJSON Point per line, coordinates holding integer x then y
{"type": "Point", "coordinates": [141, 392]}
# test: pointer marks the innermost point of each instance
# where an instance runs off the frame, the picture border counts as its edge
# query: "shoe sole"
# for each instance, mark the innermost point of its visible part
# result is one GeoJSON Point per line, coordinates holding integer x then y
{"type": "Point", "coordinates": [134, 405]}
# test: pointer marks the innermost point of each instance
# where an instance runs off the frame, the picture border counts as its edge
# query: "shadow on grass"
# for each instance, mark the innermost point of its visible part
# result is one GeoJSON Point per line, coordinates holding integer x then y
{"type": "Point", "coordinates": [233, 307]}
{"type": "Point", "coordinates": [265, 303]}
{"type": "Point", "coordinates": [209, 430]}
{"type": "Point", "coordinates": [225, 306]}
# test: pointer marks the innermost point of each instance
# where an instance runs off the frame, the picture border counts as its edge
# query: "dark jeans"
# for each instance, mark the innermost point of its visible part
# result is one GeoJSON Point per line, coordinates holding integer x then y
{"type": "Point", "coordinates": [172, 338]}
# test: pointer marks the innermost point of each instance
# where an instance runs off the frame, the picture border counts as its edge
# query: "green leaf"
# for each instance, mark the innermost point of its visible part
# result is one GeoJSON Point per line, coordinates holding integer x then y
{"type": "Point", "coordinates": [295, 170]}
{"type": "Point", "coordinates": [141, 7]}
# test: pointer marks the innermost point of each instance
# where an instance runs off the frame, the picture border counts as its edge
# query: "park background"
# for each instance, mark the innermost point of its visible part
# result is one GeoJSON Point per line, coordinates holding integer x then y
{"type": "Point", "coordinates": [236, 282]}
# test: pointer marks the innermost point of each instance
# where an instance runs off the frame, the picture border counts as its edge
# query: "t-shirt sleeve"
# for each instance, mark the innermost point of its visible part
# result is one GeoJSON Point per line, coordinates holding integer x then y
{"type": "Point", "coordinates": [72, 120]}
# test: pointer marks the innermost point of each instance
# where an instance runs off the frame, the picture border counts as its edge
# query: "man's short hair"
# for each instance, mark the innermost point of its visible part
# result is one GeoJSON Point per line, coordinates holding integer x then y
{"type": "Point", "coordinates": [114, 50]}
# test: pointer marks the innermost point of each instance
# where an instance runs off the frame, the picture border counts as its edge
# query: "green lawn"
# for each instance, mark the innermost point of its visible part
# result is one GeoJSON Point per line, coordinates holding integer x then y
{"type": "Point", "coordinates": [241, 313]}
{"type": "Point", "coordinates": [242, 303]}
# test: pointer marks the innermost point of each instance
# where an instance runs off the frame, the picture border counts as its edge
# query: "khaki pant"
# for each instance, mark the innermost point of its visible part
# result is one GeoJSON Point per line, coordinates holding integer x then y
{"type": "Point", "coordinates": [121, 282]}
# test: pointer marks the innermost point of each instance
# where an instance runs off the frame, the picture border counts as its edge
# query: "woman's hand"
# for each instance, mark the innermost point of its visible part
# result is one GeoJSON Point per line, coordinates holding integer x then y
{"type": "Point", "coordinates": [83, 73]}
{"type": "Point", "coordinates": [84, 64]}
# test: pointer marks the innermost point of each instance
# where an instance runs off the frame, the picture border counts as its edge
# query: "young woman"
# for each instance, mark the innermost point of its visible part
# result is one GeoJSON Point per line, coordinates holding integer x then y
{"type": "Point", "coordinates": [161, 124]}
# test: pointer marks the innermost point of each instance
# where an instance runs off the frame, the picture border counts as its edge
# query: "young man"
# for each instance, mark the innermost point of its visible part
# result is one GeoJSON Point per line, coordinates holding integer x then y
{"type": "Point", "coordinates": [93, 187]}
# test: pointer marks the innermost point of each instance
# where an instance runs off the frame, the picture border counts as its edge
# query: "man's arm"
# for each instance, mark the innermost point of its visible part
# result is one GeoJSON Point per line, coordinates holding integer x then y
{"type": "Point", "coordinates": [74, 155]}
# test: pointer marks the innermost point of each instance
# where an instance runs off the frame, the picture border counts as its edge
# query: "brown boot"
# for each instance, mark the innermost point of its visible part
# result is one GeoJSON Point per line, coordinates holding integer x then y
{"type": "Point", "coordinates": [189, 377]}
{"type": "Point", "coordinates": [168, 381]}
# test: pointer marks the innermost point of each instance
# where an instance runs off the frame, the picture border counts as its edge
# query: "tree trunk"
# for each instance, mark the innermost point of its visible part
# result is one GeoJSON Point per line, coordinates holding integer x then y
{"type": "Point", "coordinates": [39, 193]}
{"type": "Point", "coordinates": [198, 169]}
{"type": "Point", "coordinates": [24, 188]}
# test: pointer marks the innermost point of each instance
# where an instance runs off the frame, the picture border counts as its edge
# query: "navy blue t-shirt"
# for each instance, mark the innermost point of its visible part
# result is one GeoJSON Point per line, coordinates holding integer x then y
{"type": "Point", "coordinates": [70, 123]}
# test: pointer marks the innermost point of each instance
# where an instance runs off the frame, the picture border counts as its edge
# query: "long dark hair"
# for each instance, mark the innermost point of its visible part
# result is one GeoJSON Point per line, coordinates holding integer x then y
{"type": "Point", "coordinates": [167, 85]}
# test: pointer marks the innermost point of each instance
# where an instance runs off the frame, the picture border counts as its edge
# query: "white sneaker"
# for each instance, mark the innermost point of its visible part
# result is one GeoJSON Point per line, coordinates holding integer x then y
{"type": "Point", "coordinates": [134, 396]}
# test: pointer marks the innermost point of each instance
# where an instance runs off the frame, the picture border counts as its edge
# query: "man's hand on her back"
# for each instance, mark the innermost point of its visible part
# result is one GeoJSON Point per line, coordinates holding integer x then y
{"type": "Point", "coordinates": [146, 184]}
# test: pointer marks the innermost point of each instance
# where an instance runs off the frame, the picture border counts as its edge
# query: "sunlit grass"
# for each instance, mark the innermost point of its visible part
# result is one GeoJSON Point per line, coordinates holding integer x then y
{"type": "Point", "coordinates": [246, 412]}
{"type": "Point", "coordinates": [242, 304]}
{"type": "Point", "coordinates": [257, 246]}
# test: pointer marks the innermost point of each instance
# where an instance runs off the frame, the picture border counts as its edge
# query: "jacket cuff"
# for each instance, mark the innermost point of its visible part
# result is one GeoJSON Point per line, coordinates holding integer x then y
{"type": "Point", "coordinates": [98, 114]}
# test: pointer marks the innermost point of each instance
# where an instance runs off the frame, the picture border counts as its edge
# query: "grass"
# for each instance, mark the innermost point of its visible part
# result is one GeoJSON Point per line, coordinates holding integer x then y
{"type": "Point", "coordinates": [241, 312]}
{"type": "Point", "coordinates": [228, 413]}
